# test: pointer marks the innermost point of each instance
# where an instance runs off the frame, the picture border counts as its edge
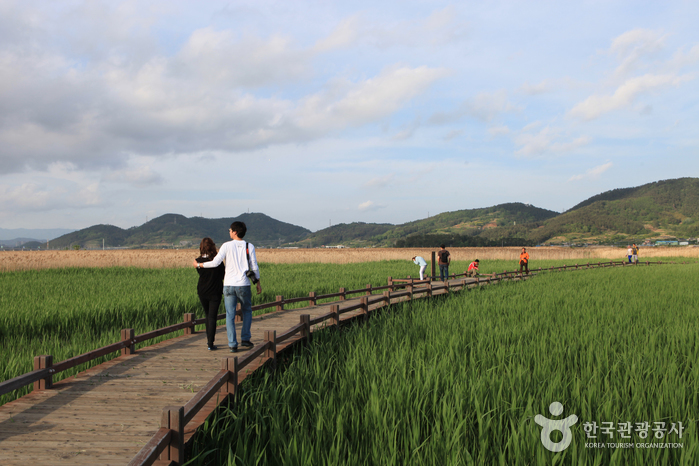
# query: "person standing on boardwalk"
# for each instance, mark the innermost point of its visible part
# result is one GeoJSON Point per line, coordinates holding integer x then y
{"type": "Point", "coordinates": [241, 267]}
{"type": "Point", "coordinates": [524, 261]}
{"type": "Point", "coordinates": [444, 261]}
{"type": "Point", "coordinates": [634, 253]}
{"type": "Point", "coordinates": [473, 269]}
{"type": "Point", "coordinates": [210, 288]}
{"type": "Point", "coordinates": [423, 265]}
{"type": "Point", "coordinates": [629, 253]}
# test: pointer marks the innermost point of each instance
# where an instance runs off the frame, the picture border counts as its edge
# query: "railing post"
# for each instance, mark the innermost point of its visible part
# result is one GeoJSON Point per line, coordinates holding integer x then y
{"type": "Point", "coordinates": [43, 362]}
{"type": "Point", "coordinates": [189, 317]}
{"type": "Point", "coordinates": [280, 303]}
{"type": "Point", "coordinates": [127, 334]}
{"type": "Point", "coordinates": [343, 296]}
{"type": "Point", "coordinates": [387, 298]}
{"type": "Point", "coordinates": [368, 289]}
{"type": "Point", "coordinates": [446, 286]}
{"type": "Point", "coordinates": [306, 330]}
{"type": "Point", "coordinates": [390, 283]}
{"type": "Point", "coordinates": [312, 298]}
{"type": "Point", "coordinates": [173, 419]}
{"type": "Point", "coordinates": [365, 307]}
{"type": "Point", "coordinates": [230, 365]}
{"type": "Point", "coordinates": [410, 287]}
{"type": "Point", "coordinates": [271, 351]}
{"type": "Point", "coordinates": [335, 309]}
{"type": "Point", "coordinates": [432, 263]}
{"type": "Point", "coordinates": [429, 289]}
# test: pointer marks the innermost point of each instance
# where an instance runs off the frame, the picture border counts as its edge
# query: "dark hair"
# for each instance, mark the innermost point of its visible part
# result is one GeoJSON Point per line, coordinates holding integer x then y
{"type": "Point", "coordinates": [207, 247]}
{"type": "Point", "coordinates": [442, 246]}
{"type": "Point", "coordinates": [476, 260]}
{"type": "Point", "coordinates": [239, 228]}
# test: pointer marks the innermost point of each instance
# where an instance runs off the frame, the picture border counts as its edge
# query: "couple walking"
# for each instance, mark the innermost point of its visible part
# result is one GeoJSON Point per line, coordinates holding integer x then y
{"type": "Point", "coordinates": [233, 281]}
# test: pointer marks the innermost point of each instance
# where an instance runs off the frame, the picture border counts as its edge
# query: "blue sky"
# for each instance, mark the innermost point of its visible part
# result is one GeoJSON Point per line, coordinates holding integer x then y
{"type": "Point", "coordinates": [318, 113]}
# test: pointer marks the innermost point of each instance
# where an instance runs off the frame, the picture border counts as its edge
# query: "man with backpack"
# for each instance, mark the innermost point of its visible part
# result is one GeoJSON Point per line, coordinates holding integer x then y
{"type": "Point", "coordinates": [241, 268]}
{"type": "Point", "coordinates": [444, 261]}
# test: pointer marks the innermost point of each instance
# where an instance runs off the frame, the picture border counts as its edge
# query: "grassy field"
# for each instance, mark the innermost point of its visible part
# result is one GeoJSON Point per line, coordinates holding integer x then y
{"type": "Point", "coordinates": [67, 312]}
{"type": "Point", "coordinates": [169, 258]}
{"type": "Point", "coordinates": [459, 380]}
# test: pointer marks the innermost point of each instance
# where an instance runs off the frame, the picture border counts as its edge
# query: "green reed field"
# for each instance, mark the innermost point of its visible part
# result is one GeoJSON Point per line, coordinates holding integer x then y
{"type": "Point", "coordinates": [67, 312]}
{"type": "Point", "coordinates": [458, 380]}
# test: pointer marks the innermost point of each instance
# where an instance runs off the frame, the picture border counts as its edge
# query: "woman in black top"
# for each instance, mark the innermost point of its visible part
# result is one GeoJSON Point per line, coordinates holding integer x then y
{"type": "Point", "coordinates": [210, 288]}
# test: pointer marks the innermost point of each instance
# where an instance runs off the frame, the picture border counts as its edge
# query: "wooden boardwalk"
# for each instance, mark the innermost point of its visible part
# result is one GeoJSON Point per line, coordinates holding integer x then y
{"type": "Point", "coordinates": [106, 414]}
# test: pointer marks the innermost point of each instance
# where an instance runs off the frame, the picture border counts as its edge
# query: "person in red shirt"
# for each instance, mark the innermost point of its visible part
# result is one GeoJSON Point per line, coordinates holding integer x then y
{"type": "Point", "coordinates": [473, 269]}
{"type": "Point", "coordinates": [524, 261]}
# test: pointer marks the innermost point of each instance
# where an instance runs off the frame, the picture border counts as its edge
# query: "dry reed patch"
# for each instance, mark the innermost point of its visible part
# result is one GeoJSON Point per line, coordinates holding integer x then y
{"type": "Point", "coordinates": [168, 258]}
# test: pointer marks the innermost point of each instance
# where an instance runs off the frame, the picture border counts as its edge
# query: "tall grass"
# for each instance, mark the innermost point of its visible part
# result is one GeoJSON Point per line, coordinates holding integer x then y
{"type": "Point", "coordinates": [459, 380]}
{"type": "Point", "coordinates": [70, 311]}
{"type": "Point", "coordinates": [168, 258]}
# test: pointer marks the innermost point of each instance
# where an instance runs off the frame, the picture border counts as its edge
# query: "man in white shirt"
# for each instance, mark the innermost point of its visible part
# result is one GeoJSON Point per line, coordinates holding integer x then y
{"type": "Point", "coordinates": [236, 284]}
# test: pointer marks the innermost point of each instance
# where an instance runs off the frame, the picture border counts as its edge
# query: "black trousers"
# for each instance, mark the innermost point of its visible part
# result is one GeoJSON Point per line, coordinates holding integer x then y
{"type": "Point", "coordinates": [525, 266]}
{"type": "Point", "coordinates": [210, 305]}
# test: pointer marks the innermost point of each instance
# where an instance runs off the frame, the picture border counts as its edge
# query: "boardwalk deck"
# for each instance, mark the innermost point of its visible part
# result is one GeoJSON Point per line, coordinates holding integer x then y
{"type": "Point", "coordinates": [106, 414]}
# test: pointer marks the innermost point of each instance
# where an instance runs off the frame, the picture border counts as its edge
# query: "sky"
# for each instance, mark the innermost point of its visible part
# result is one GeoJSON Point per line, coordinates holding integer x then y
{"type": "Point", "coordinates": [318, 112]}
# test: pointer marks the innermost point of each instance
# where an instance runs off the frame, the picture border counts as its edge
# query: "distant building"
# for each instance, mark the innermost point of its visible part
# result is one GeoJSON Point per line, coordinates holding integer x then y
{"type": "Point", "coordinates": [667, 243]}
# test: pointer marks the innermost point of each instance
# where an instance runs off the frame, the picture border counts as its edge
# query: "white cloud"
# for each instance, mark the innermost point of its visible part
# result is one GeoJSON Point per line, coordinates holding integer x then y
{"type": "Point", "coordinates": [495, 131]}
{"type": "Point", "coordinates": [485, 106]}
{"type": "Point", "coordinates": [547, 141]}
{"type": "Point", "coordinates": [624, 96]}
{"type": "Point", "coordinates": [140, 177]}
{"type": "Point", "coordinates": [369, 206]}
{"type": "Point", "coordinates": [380, 182]}
{"type": "Point", "coordinates": [593, 172]}
{"type": "Point", "coordinates": [344, 35]}
{"type": "Point", "coordinates": [453, 134]}
{"type": "Point", "coordinates": [30, 197]}
{"type": "Point", "coordinates": [633, 46]}
{"type": "Point", "coordinates": [364, 102]}
{"type": "Point", "coordinates": [536, 89]}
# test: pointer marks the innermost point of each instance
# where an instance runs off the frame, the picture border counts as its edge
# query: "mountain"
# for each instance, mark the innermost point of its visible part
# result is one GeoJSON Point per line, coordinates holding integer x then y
{"type": "Point", "coordinates": [177, 230]}
{"type": "Point", "coordinates": [668, 208]}
{"type": "Point", "coordinates": [662, 209]}
{"type": "Point", "coordinates": [460, 226]}
{"type": "Point", "coordinates": [352, 234]}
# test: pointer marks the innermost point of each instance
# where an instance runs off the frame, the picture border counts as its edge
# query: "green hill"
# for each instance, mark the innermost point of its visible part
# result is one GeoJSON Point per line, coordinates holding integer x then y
{"type": "Point", "coordinates": [352, 234]}
{"type": "Point", "coordinates": [663, 209]}
{"type": "Point", "coordinates": [179, 231]}
{"type": "Point", "coordinates": [668, 208]}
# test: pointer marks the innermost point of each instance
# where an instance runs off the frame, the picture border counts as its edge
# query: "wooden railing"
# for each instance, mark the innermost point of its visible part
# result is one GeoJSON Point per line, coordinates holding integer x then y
{"type": "Point", "coordinates": [168, 442]}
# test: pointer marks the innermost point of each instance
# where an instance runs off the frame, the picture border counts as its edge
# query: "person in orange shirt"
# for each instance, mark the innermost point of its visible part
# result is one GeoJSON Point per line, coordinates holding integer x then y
{"type": "Point", "coordinates": [524, 261]}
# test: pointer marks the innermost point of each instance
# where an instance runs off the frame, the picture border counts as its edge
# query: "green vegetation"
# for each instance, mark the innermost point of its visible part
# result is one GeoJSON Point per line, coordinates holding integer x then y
{"type": "Point", "coordinates": [458, 380]}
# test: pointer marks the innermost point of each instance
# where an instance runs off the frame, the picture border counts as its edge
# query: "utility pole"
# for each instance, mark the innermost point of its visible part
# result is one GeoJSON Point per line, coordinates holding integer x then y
{"type": "Point", "coordinates": [102, 244]}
